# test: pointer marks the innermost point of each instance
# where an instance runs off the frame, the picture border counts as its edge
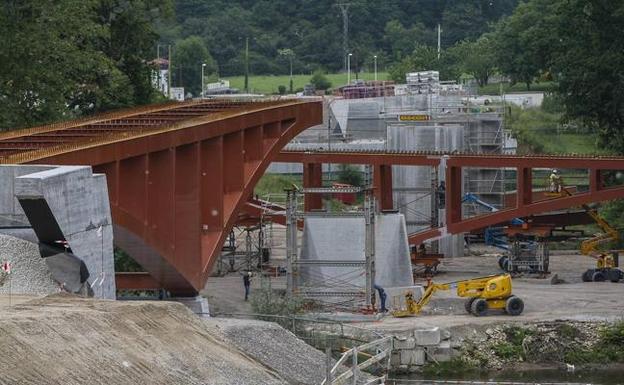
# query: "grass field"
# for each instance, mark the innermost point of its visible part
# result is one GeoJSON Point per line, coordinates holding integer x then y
{"type": "Point", "coordinates": [268, 84]}
{"type": "Point", "coordinates": [494, 88]}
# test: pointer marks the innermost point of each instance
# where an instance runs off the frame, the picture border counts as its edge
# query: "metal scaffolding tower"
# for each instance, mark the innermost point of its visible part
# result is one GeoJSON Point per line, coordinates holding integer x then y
{"type": "Point", "coordinates": [321, 292]}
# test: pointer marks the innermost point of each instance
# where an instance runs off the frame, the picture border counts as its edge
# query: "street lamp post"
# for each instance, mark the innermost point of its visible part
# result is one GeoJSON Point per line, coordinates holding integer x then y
{"type": "Point", "coordinates": [202, 80]}
{"type": "Point", "coordinates": [375, 58]}
{"type": "Point", "coordinates": [291, 79]}
{"type": "Point", "coordinates": [349, 68]}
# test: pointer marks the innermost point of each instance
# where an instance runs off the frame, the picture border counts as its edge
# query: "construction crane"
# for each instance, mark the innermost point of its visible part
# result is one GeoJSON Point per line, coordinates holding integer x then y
{"type": "Point", "coordinates": [483, 293]}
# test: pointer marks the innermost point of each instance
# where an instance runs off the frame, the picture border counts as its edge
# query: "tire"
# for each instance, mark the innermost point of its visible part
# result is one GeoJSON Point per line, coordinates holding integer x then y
{"type": "Point", "coordinates": [598, 276]}
{"type": "Point", "coordinates": [468, 305]}
{"type": "Point", "coordinates": [587, 276]}
{"type": "Point", "coordinates": [613, 275]}
{"type": "Point", "coordinates": [479, 307]}
{"type": "Point", "coordinates": [506, 265]}
{"type": "Point", "coordinates": [514, 305]}
{"type": "Point", "coordinates": [501, 259]}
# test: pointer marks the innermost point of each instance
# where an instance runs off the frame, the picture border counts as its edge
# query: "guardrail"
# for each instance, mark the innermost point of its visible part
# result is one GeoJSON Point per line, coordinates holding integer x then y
{"type": "Point", "coordinates": [382, 348]}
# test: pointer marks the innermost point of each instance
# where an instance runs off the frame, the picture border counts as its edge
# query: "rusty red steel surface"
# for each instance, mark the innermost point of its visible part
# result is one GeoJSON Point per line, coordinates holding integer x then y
{"type": "Point", "coordinates": [178, 174]}
{"type": "Point", "coordinates": [526, 204]}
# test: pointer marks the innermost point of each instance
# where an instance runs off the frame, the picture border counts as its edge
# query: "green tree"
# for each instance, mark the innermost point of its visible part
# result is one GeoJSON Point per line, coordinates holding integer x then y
{"type": "Point", "coordinates": [350, 174]}
{"type": "Point", "coordinates": [320, 81]}
{"type": "Point", "coordinates": [476, 58]}
{"type": "Point", "coordinates": [49, 60]}
{"type": "Point", "coordinates": [130, 40]}
{"type": "Point", "coordinates": [188, 56]}
{"type": "Point", "coordinates": [587, 63]}
{"type": "Point", "coordinates": [402, 41]}
{"type": "Point", "coordinates": [425, 58]}
{"type": "Point", "coordinates": [524, 42]}
{"type": "Point", "coordinates": [60, 59]}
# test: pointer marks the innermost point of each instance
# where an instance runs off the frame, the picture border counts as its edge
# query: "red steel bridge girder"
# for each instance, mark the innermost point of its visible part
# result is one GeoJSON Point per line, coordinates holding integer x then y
{"type": "Point", "coordinates": [454, 165]}
{"type": "Point", "coordinates": [176, 193]}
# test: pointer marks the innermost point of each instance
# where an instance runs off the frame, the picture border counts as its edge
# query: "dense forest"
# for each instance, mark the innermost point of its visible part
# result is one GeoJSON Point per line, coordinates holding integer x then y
{"type": "Point", "coordinates": [313, 30]}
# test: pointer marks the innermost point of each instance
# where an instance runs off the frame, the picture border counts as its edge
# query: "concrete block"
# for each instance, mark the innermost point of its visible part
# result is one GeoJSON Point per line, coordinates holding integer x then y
{"type": "Point", "coordinates": [395, 359]}
{"type": "Point", "coordinates": [78, 201]}
{"type": "Point", "coordinates": [198, 305]}
{"type": "Point", "coordinates": [445, 334]}
{"type": "Point", "coordinates": [442, 352]}
{"type": "Point", "coordinates": [427, 337]}
{"type": "Point", "coordinates": [413, 357]}
{"type": "Point", "coordinates": [405, 343]}
{"type": "Point", "coordinates": [420, 358]}
{"type": "Point", "coordinates": [406, 357]}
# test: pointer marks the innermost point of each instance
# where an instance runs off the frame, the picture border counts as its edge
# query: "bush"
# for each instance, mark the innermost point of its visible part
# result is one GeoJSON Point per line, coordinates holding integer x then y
{"type": "Point", "coordinates": [614, 334]}
{"type": "Point", "coordinates": [507, 350]}
{"type": "Point", "coordinates": [124, 263]}
{"type": "Point", "coordinates": [270, 302]}
{"type": "Point", "coordinates": [320, 81]}
{"type": "Point", "coordinates": [281, 90]}
{"type": "Point", "coordinates": [350, 174]}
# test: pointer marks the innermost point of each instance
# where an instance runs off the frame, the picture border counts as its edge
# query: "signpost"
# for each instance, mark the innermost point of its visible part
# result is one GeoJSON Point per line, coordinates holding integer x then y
{"type": "Point", "coordinates": [414, 118]}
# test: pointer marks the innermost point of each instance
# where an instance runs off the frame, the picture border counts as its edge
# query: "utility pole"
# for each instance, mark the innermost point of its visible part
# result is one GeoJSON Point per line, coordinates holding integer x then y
{"type": "Point", "coordinates": [439, 45]}
{"type": "Point", "coordinates": [247, 64]}
{"type": "Point", "coordinates": [375, 57]}
{"type": "Point", "coordinates": [349, 68]}
{"type": "Point", "coordinates": [202, 80]}
{"type": "Point", "coordinates": [344, 8]}
{"type": "Point", "coordinates": [169, 73]}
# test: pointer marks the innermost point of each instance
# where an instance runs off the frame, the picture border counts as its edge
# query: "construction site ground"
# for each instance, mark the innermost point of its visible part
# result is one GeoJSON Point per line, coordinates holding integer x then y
{"type": "Point", "coordinates": [544, 301]}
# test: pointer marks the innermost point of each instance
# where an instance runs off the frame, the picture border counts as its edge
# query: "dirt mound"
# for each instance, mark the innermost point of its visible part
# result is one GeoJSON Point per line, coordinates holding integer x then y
{"type": "Point", "coordinates": [68, 340]}
{"type": "Point", "coordinates": [29, 273]}
{"type": "Point", "coordinates": [275, 347]}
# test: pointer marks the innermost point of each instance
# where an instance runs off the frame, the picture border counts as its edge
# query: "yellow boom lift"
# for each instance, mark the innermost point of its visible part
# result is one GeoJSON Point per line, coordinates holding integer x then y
{"type": "Point", "coordinates": [606, 262]}
{"type": "Point", "coordinates": [483, 293]}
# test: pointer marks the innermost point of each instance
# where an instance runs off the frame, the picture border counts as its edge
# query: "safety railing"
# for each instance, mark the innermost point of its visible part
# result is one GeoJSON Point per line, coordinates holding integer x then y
{"type": "Point", "coordinates": [382, 349]}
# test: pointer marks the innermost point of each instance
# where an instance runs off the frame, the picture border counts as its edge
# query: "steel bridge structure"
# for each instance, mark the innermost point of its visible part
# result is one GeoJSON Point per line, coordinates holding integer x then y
{"type": "Point", "coordinates": [180, 174]}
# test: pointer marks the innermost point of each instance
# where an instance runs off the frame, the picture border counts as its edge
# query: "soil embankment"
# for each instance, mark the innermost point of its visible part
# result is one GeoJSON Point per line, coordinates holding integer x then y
{"type": "Point", "coordinates": [67, 340]}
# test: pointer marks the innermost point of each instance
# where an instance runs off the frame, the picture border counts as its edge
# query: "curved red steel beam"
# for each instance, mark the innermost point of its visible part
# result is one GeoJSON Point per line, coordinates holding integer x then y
{"type": "Point", "coordinates": [176, 190]}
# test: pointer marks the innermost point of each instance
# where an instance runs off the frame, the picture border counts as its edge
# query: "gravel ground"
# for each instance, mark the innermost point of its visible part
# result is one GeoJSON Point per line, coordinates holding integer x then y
{"type": "Point", "coordinates": [274, 347]}
{"type": "Point", "coordinates": [29, 272]}
{"type": "Point", "coordinates": [63, 339]}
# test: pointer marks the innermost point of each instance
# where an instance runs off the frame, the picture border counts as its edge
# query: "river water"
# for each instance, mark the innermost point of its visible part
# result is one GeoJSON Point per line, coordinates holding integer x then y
{"type": "Point", "coordinates": [595, 377]}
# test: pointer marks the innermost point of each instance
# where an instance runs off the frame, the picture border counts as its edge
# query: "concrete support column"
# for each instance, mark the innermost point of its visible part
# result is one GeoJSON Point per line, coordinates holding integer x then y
{"type": "Point", "coordinates": [313, 177]}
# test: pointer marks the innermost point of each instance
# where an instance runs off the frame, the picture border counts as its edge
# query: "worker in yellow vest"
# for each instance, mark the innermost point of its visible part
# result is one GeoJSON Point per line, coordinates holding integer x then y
{"type": "Point", "coordinates": [556, 183]}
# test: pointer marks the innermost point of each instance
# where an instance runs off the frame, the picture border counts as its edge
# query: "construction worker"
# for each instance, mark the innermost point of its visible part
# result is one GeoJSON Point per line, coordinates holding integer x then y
{"type": "Point", "coordinates": [441, 195]}
{"type": "Point", "coordinates": [382, 297]}
{"type": "Point", "coordinates": [555, 181]}
{"type": "Point", "coordinates": [247, 284]}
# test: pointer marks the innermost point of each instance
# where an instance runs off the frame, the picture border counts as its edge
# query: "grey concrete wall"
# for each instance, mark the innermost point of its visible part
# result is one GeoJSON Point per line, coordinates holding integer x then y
{"type": "Point", "coordinates": [412, 185]}
{"type": "Point", "coordinates": [342, 238]}
{"type": "Point", "coordinates": [78, 199]}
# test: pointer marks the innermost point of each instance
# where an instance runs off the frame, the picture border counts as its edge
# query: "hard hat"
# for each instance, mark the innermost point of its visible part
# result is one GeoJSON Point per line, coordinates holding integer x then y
{"type": "Point", "coordinates": [554, 171]}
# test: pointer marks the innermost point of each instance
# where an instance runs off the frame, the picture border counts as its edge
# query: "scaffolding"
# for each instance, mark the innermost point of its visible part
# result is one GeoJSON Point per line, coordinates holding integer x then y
{"type": "Point", "coordinates": [339, 291]}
